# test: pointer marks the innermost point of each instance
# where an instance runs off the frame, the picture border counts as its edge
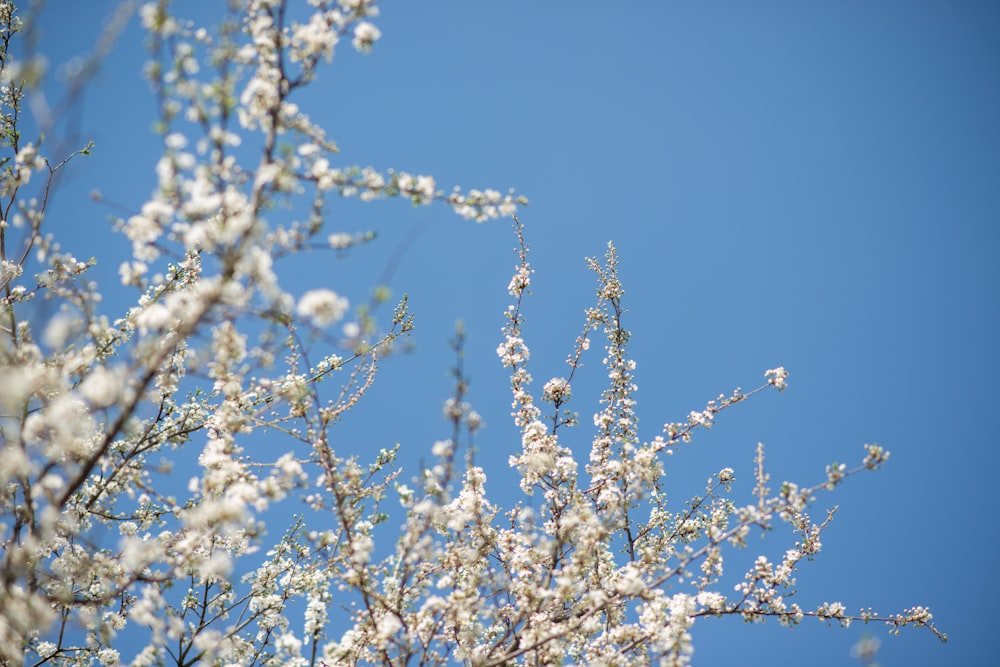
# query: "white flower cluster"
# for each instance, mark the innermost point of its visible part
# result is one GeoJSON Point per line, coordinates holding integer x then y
{"type": "Point", "coordinates": [322, 306]}
{"type": "Point", "coordinates": [484, 205]}
{"type": "Point", "coordinates": [777, 378]}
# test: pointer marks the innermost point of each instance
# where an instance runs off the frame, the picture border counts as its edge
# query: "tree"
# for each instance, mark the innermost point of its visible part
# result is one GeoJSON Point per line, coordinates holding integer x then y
{"type": "Point", "coordinates": [214, 368]}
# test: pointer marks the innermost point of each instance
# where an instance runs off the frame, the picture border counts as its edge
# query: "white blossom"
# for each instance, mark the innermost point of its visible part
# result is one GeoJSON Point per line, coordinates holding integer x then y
{"type": "Point", "coordinates": [365, 36]}
{"type": "Point", "coordinates": [322, 306]}
{"type": "Point", "coordinates": [103, 387]}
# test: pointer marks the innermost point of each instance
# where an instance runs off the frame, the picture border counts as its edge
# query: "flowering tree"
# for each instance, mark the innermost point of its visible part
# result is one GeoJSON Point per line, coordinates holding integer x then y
{"type": "Point", "coordinates": [218, 369]}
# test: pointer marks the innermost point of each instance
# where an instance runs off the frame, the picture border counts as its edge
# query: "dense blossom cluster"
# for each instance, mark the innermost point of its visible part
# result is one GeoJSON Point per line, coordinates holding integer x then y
{"type": "Point", "coordinates": [136, 478]}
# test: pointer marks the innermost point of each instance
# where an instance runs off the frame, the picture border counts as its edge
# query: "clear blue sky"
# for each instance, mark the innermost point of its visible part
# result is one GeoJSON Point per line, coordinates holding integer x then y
{"type": "Point", "coordinates": [807, 184]}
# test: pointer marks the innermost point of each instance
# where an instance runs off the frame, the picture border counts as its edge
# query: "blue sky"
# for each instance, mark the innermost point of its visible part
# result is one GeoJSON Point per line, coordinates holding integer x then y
{"type": "Point", "coordinates": [807, 184]}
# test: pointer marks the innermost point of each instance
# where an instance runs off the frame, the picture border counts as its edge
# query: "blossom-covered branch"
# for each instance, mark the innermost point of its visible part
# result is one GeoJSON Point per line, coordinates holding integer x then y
{"type": "Point", "coordinates": [148, 451]}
